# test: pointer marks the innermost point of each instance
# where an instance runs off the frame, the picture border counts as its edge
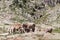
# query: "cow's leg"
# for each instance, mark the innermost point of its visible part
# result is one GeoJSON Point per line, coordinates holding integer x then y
{"type": "Point", "coordinates": [21, 30]}
{"type": "Point", "coordinates": [27, 30]}
{"type": "Point", "coordinates": [14, 30]}
{"type": "Point", "coordinates": [9, 30]}
{"type": "Point", "coordinates": [33, 29]}
{"type": "Point", "coordinates": [17, 29]}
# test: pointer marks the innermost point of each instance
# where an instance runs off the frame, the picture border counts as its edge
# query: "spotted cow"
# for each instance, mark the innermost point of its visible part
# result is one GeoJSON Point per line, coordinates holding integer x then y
{"type": "Point", "coordinates": [15, 27]}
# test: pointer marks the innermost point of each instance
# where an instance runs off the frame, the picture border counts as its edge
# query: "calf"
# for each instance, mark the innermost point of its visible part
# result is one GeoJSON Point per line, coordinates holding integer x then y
{"type": "Point", "coordinates": [49, 30]}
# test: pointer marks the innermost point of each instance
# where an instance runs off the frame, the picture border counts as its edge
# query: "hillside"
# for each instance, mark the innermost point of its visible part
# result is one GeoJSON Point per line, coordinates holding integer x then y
{"type": "Point", "coordinates": [44, 13]}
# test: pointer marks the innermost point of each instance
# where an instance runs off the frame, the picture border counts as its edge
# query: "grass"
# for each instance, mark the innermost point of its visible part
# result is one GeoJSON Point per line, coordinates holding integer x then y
{"type": "Point", "coordinates": [16, 18]}
{"type": "Point", "coordinates": [42, 19]}
{"type": "Point", "coordinates": [57, 30]}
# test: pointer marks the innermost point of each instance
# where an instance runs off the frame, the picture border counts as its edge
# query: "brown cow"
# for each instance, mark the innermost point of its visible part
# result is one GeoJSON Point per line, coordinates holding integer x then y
{"type": "Point", "coordinates": [28, 27]}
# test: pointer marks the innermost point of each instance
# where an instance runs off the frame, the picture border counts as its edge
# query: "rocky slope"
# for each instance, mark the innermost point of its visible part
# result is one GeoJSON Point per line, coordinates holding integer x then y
{"type": "Point", "coordinates": [41, 12]}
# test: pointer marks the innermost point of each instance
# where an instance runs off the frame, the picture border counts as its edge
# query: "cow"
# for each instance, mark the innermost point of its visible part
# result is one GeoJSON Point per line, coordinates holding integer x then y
{"type": "Point", "coordinates": [49, 30]}
{"type": "Point", "coordinates": [15, 27]}
{"type": "Point", "coordinates": [29, 27]}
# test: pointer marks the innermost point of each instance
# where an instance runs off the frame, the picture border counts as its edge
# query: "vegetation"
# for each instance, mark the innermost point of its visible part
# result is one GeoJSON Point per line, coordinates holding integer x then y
{"type": "Point", "coordinates": [41, 12]}
{"type": "Point", "coordinates": [57, 30]}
